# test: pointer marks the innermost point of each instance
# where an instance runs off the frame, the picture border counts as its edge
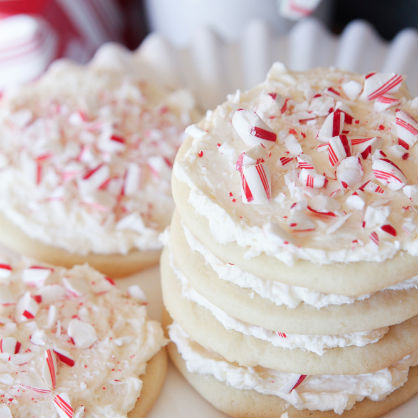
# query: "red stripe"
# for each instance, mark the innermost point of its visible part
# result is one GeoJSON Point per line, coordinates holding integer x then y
{"type": "Point", "coordinates": [389, 85]}
{"type": "Point", "coordinates": [317, 212]}
{"type": "Point", "coordinates": [336, 123]}
{"type": "Point", "coordinates": [357, 141]}
{"type": "Point", "coordinates": [332, 156]}
{"type": "Point", "coordinates": [263, 177]}
{"type": "Point", "coordinates": [263, 133]}
{"type": "Point", "coordinates": [302, 377]}
{"type": "Point", "coordinates": [407, 126]}
{"type": "Point", "coordinates": [92, 171]}
{"type": "Point", "coordinates": [5, 267]}
{"type": "Point", "coordinates": [346, 145]}
{"type": "Point", "coordinates": [402, 143]}
{"type": "Point", "coordinates": [389, 229]}
{"type": "Point", "coordinates": [247, 192]}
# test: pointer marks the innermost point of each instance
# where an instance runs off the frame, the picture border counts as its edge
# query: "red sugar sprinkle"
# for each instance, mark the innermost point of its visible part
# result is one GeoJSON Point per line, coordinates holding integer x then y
{"type": "Point", "coordinates": [405, 156]}
{"type": "Point", "coordinates": [200, 154]}
{"type": "Point", "coordinates": [273, 95]}
{"type": "Point", "coordinates": [292, 131]}
{"type": "Point", "coordinates": [381, 128]}
{"type": "Point", "coordinates": [218, 144]}
{"type": "Point", "coordinates": [300, 380]}
{"type": "Point", "coordinates": [117, 138]}
{"type": "Point", "coordinates": [37, 298]}
{"type": "Point", "coordinates": [281, 334]}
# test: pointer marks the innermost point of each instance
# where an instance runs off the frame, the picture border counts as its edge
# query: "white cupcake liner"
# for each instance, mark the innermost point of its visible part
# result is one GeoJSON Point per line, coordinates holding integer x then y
{"type": "Point", "coordinates": [212, 68]}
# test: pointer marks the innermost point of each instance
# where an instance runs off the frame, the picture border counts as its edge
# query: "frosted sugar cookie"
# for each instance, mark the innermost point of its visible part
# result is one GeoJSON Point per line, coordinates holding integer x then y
{"type": "Point", "coordinates": [256, 392]}
{"type": "Point", "coordinates": [73, 345]}
{"type": "Point", "coordinates": [277, 306]}
{"type": "Point", "coordinates": [307, 179]}
{"type": "Point", "coordinates": [235, 340]}
{"type": "Point", "coordinates": [85, 164]}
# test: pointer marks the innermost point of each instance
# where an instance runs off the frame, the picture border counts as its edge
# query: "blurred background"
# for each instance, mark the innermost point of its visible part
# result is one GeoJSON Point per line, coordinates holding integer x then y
{"type": "Point", "coordinates": [33, 33]}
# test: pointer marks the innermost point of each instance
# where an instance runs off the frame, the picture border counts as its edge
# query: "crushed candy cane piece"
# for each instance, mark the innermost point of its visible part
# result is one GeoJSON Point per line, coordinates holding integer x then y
{"type": "Point", "coordinates": [9, 345]}
{"type": "Point", "coordinates": [406, 129]}
{"type": "Point", "coordinates": [36, 275]}
{"type": "Point", "coordinates": [374, 238]}
{"type": "Point", "coordinates": [26, 308]}
{"type": "Point", "coordinates": [384, 102]}
{"type": "Point", "coordinates": [311, 179]}
{"type": "Point", "coordinates": [411, 192]}
{"type": "Point", "coordinates": [333, 126]}
{"type": "Point", "coordinates": [364, 146]}
{"type": "Point", "coordinates": [355, 201]}
{"type": "Point", "coordinates": [64, 356]}
{"type": "Point", "coordinates": [293, 383]}
{"type": "Point", "coordinates": [349, 172]}
{"type": "Point", "coordinates": [50, 369]}
{"type": "Point", "coordinates": [339, 147]}
{"type": "Point", "coordinates": [389, 229]}
{"type": "Point", "coordinates": [292, 145]}
{"type": "Point", "coordinates": [352, 89]}
{"type": "Point", "coordinates": [377, 84]}
{"type": "Point", "coordinates": [83, 333]}
{"type": "Point", "coordinates": [387, 172]}
{"type": "Point", "coordinates": [255, 183]}
{"type": "Point", "coordinates": [251, 129]}
{"type": "Point", "coordinates": [63, 406]}
{"type": "Point", "coordinates": [5, 270]}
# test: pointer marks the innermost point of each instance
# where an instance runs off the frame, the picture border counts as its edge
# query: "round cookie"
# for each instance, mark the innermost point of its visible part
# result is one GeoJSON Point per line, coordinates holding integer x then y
{"type": "Point", "coordinates": [72, 341]}
{"type": "Point", "coordinates": [250, 404]}
{"type": "Point", "coordinates": [354, 279]}
{"type": "Point", "coordinates": [234, 346]}
{"type": "Point", "coordinates": [380, 310]}
{"type": "Point", "coordinates": [83, 151]}
{"type": "Point", "coordinates": [152, 383]}
{"type": "Point", "coordinates": [307, 179]}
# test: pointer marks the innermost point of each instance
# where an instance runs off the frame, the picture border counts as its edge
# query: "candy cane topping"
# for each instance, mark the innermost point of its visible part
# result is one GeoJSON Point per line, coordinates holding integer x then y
{"type": "Point", "coordinates": [379, 83]}
{"type": "Point", "coordinates": [63, 405]}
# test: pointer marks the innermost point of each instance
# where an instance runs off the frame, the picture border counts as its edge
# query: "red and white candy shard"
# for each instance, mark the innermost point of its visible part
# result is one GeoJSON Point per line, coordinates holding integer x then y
{"type": "Point", "coordinates": [26, 308]}
{"type": "Point", "coordinates": [63, 406]}
{"type": "Point", "coordinates": [339, 147]}
{"type": "Point", "coordinates": [379, 84]}
{"type": "Point", "coordinates": [252, 156]}
{"type": "Point", "coordinates": [255, 183]}
{"type": "Point", "coordinates": [355, 201]}
{"type": "Point", "coordinates": [5, 270]}
{"type": "Point", "coordinates": [351, 89]}
{"type": "Point", "coordinates": [64, 356]}
{"type": "Point", "coordinates": [36, 275]}
{"type": "Point", "coordinates": [406, 129]}
{"type": "Point", "coordinates": [411, 192]}
{"type": "Point", "coordinates": [372, 187]}
{"type": "Point", "coordinates": [251, 129]}
{"type": "Point", "coordinates": [311, 179]}
{"type": "Point", "coordinates": [9, 345]}
{"type": "Point", "coordinates": [132, 179]}
{"type": "Point", "coordinates": [135, 292]}
{"type": "Point", "coordinates": [387, 172]}
{"type": "Point", "coordinates": [6, 296]}
{"type": "Point", "coordinates": [299, 221]}
{"type": "Point", "coordinates": [363, 146]}
{"type": "Point", "coordinates": [384, 102]}
{"type": "Point", "coordinates": [38, 337]}
{"type": "Point", "coordinates": [83, 334]}
{"type": "Point", "coordinates": [293, 382]}
{"type": "Point", "coordinates": [74, 286]}
{"type": "Point", "coordinates": [333, 126]}
{"type": "Point", "coordinates": [292, 145]}
{"type": "Point", "coordinates": [349, 172]}
{"type": "Point", "coordinates": [305, 162]}
{"type": "Point", "coordinates": [49, 370]}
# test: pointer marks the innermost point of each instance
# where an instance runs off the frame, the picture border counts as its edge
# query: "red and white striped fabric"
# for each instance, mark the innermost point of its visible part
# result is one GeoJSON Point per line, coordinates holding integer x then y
{"type": "Point", "coordinates": [34, 33]}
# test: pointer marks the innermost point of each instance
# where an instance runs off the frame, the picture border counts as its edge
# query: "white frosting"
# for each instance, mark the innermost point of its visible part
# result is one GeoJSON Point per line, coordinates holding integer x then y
{"type": "Point", "coordinates": [84, 317]}
{"type": "Point", "coordinates": [315, 343]}
{"type": "Point", "coordinates": [86, 156]}
{"type": "Point", "coordinates": [208, 168]}
{"type": "Point", "coordinates": [316, 392]}
{"type": "Point", "coordinates": [276, 292]}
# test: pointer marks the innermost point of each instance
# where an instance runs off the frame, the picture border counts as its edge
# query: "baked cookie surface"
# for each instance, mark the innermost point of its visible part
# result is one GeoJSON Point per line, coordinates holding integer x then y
{"type": "Point", "coordinates": [85, 163]}
{"type": "Point", "coordinates": [72, 343]}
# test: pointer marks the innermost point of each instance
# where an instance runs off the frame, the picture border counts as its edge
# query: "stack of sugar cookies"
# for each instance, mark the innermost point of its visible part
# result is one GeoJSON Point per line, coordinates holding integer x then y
{"type": "Point", "coordinates": [290, 271]}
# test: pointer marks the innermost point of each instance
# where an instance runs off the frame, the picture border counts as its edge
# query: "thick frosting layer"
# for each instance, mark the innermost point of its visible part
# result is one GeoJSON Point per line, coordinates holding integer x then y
{"type": "Point", "coordinates": [70, 340]}
{"type": "Point", "coordinates": [316, 392]}
{"type": "Point", "coordinates": [86, 157]}
{"type": "Point", "coordinates": [315, 343]}
{"type": "Point", "coordinates": [309, 166]}
{"type": "Point", "coordinates": [276, 292]}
